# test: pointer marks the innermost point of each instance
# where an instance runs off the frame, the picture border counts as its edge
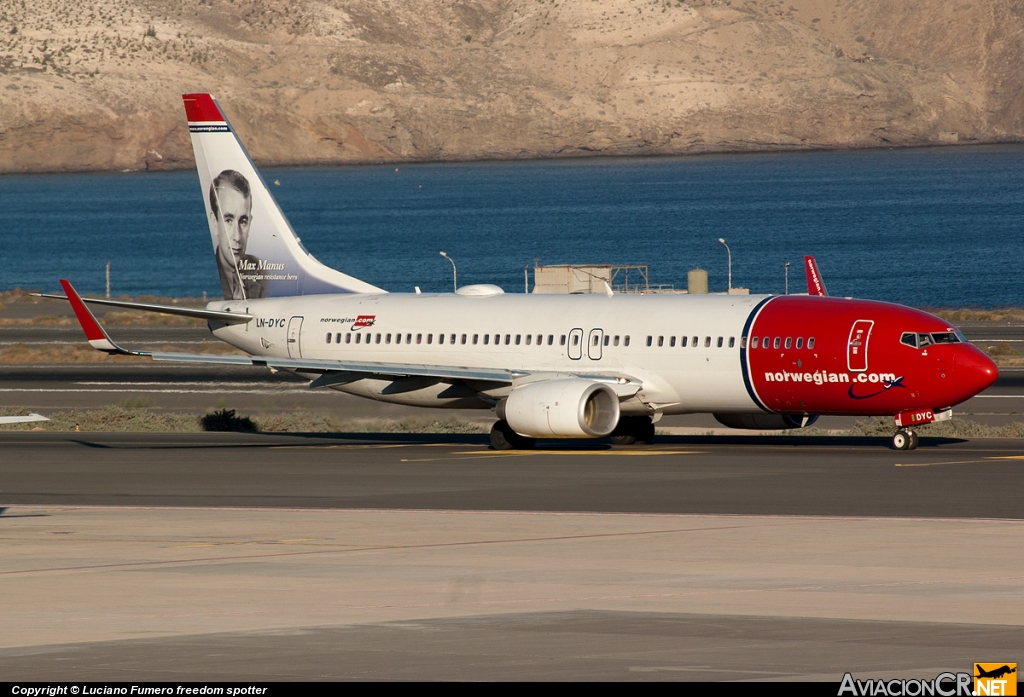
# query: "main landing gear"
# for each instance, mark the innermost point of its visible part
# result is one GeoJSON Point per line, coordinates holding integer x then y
{"type": "Point", "coordinates": [504, 438]}
{"type": "Point", "coordinates": [633, 429]}
{"type": "Point", "coordinates": [905, 439]}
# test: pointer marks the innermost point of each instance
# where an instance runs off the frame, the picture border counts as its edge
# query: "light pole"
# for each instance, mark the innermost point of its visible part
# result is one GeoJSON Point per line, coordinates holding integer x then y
{"type": "Point", "coordinates": [787, 278]}
{"type": "Point", "coordinates": [455, 272]}
{"type": "Point", "coordinates": [729, 252]}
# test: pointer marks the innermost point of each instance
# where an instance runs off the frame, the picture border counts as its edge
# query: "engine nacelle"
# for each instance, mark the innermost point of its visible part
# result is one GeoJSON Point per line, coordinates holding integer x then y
{"type": "Point", "coordinates": [564, 408]}
{"type": "Point", "coordinates": [759, 421]}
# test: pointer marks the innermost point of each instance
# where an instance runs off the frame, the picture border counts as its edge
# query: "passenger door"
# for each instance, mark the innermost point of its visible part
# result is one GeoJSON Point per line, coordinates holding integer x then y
{"type": "Point", "coordinates": [857, 347]}
{"type": "Point", "coordinates": [576, 344]}
{"type": "Point", "coordinates": [594, 344]}
{"type": "Point", "coordinates": [294, 333]}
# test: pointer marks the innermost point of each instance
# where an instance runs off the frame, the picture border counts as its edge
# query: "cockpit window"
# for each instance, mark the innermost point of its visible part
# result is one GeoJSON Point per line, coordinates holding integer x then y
{"type": "Point", "coordinates": [945, 338]}
{"type": "Point", "coordinates": [926, 340]}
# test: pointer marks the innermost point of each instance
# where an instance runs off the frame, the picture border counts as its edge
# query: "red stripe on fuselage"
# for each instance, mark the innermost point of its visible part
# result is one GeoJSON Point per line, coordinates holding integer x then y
{"type": "Point", "coordinates": [819, 379]}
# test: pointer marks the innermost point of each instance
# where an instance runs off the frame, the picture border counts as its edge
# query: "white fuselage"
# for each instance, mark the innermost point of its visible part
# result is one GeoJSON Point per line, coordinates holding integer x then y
{"type": "Point", "coordinates": [635, 336]}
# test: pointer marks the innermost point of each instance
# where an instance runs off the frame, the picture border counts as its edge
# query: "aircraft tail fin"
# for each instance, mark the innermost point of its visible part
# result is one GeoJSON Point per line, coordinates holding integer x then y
{"type": "Point", "coordinates": [815, 286]}
{"type": "Point", "coordinates": [258, 254]}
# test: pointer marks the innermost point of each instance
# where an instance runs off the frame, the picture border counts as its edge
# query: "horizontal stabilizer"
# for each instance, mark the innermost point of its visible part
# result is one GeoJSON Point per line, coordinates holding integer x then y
{"type": "Point", "coordinates": [208, 315]}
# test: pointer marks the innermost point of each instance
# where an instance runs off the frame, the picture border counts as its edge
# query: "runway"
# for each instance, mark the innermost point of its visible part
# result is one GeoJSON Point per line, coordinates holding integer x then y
{"type": "Point", "coordinates": [218, 556]}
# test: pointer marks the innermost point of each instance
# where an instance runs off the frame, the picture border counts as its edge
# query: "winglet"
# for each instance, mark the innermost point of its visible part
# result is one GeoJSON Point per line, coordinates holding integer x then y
{"type": "Point", "coordinates": [815, 286]}
{"type": "Point", "coordinates": [96, 334]}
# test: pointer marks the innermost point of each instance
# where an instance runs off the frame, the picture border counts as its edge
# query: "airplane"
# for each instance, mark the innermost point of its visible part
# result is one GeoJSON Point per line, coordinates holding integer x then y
{"type": "Point", "coordinates": [551, 366]}
{"type": "Point", "coordinates": [995, 673]}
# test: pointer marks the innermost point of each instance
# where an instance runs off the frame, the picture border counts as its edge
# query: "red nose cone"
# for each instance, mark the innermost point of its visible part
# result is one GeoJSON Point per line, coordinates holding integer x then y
{"type": "Point", "coordinates": [974, 371]}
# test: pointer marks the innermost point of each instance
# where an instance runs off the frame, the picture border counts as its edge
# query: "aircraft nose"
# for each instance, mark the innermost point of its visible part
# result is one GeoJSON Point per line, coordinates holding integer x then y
{"type": "Point", "coordinates": [974, 371]}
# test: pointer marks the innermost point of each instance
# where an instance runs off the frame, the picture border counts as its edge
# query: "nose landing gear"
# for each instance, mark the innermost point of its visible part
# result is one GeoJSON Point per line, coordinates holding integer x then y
{"type": "Point", "coordinates": [905, 439]}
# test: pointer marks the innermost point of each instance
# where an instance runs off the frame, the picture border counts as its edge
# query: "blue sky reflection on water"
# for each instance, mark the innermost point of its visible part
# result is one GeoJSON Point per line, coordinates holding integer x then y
{"type": "Point", "coordinates": [936, 226]}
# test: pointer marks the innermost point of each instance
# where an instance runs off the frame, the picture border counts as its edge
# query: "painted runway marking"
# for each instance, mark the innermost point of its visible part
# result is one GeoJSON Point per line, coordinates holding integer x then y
{"type": "Point", "coordinates": [526, 453]}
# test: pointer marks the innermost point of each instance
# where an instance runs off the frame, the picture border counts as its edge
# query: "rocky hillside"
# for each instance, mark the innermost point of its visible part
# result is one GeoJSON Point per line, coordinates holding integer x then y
{"type": "Point", "coordinates": [96, 85]}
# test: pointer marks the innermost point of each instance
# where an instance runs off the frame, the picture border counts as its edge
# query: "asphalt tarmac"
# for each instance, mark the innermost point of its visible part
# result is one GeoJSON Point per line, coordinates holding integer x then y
{"type": "Point", "coordinates": [828, 476]}
{"type": "Point", "coordinates": [273, 557]}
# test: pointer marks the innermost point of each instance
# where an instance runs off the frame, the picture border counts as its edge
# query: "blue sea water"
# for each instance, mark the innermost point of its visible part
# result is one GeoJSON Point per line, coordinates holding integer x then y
{"type": "Point", "coordinates": [924, 227]}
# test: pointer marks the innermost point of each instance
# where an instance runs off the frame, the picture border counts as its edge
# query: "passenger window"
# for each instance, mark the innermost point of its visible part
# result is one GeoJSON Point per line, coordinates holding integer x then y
{"type": "Point", "coordinates": [561, 342]}
{"type": "Point", "coordinates": [732, 341]}
{"type": "Point", "coordinates": [518, 338]}
{"type": "Point", "coordinates": [529, 338]}
{"type": "Point", "coordinates": [799, 342]}
{"type": "Point", "coordinates": [497, 339]}
{"type": "Point", "coordinates": [453, 339]}
{"type": "Point", "coordinates": [359, 338]}
{"type": "Point", "coordinates": [419, 338]}
{"type": "Point", "coordinates": [408, 338]}
{"type": "Point", "coordinates": [387, 339]}
{"type": "Point", "coordinates": [430, 338]}
{"type": "Point", "coordinates": [707, 342]}
{"type": "Point", "coordinates": [720, 342]}
{"type": "Point", "coordinates": [909, 338]}
{"type": "Point", "coordinates": [650, 340]}
{"type": "Point", "coordinates": [810, 343]}
{"type": "Point", "coordinates": [440, 338]}
{"type": "Point", "coordinates": [487, 339]}
{"type": "Point", "coordinates": [743, 343]}
{"type": "Point", "coordinates": [753, 342]}
{"type": "Point", "coordinates": [606, 339]}
{"type": "Point", "coordinates": [682, 342]}
{"type": "Point", "coordinates": [540, 339]}
{"type": "Point", "coordinates": [789, 342]}
{"type": "Point", "coordinates": [328, 337]}
{"type": "Point", "coordinates": [597, 340]}
{"type": "Point", "coordinates": [475, 337]}
{"type": "Point", "coordinates": [337, 338]}
{"type": "Point", "coordinates": [616, 341]}
{"type": "Point", "coordinates": [671, 341]}
{"type": "Point", "coordinates": [696, 340]}
{"type": "Point", "coordinates": [348, 338]}
{"type": "Point", "coordinates": [551, 339]}
{"type": "Point", "coordinates": [575, 340]}
{"type": "Point", "coordinates": [777, 342]}
{"type": "Point", "coordinates": [464, 339]}
{"type": "Point", "coordinates": [625, 341]}
{"type": "Point", "coordinates": [661, 341]}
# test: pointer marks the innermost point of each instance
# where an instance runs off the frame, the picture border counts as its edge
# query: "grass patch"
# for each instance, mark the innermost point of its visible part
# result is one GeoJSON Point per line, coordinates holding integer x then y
{"type": "Point", "coordinates": [133, 415]}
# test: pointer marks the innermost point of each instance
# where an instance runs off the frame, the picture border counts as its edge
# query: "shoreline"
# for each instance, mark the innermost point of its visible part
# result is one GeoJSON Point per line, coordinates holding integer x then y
{"type": "Point", "coordinates": [576, 154]}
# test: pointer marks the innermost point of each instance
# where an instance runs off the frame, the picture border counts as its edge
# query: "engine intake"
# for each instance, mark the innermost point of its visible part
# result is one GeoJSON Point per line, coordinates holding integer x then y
{"type": "Point", "coordinates": [564, 408]}
{"type": "Point", "coordinates": [760, 421]}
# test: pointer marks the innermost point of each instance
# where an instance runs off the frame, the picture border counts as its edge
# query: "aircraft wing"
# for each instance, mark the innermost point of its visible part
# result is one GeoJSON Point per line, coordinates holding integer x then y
{"type": "Point", "coordinates": [332, 371]}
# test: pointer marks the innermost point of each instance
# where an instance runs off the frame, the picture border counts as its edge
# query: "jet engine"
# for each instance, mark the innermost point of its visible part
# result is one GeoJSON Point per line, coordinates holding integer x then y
{"type": "Point", "coordinates": [760, 421]}
{"type": "Point", "coordinates": [564, 408]}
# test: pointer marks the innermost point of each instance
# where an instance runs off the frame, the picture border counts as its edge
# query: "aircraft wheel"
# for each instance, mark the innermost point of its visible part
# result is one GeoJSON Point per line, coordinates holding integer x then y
{"type": "Point", "coordinates": [902, 439]}
{"type": "Point", "coordinates": [504, 438]}
{"type": "Point", "coordinates": [913, 440]}
{"type": "Point", "coordinates": [633, 429]}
